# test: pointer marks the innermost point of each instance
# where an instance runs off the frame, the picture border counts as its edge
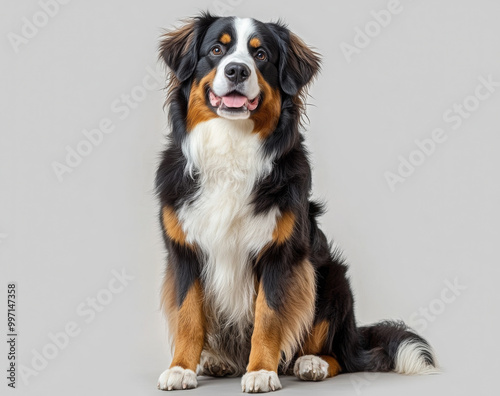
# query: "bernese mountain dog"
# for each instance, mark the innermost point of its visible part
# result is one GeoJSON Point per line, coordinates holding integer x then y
{"type": "Point", "coordinates": [252, 286]}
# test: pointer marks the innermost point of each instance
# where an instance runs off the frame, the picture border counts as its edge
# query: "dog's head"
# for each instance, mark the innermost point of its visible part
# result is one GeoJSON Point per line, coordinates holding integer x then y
{"type": "Point", "coordinates": [237, 68]}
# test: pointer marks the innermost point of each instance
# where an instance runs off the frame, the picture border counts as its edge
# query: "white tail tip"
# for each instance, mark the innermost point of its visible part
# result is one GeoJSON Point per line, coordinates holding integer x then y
{"type": "Point", "coordinates": [414, 358]}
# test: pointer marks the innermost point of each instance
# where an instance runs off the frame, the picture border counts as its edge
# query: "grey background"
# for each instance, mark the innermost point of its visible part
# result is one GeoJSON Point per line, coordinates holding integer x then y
{"type": "Point", "coordinates": [60, 241]}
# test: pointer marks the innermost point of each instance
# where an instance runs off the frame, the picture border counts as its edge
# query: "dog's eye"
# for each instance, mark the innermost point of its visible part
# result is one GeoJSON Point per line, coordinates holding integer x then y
{"type": "Point", "coordinates": [261, 55]}
{"type": "Point", "coordinates": [216, 50]}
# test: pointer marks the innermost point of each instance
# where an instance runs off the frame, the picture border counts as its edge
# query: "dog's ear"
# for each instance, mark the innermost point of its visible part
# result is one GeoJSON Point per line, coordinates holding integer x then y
{"type": "Point", "coordinates": [298, 63]}
{"type": "Point", "coordinates": [179, 48]}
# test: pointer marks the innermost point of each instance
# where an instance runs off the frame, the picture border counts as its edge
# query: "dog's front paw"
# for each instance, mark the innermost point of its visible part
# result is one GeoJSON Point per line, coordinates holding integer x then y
{"type": "Point", "coordinates": [260, 381]}
{"type": "Point", "coordinates": [177, 378]}
{"type": "Point", "coordinates": [310, 368]}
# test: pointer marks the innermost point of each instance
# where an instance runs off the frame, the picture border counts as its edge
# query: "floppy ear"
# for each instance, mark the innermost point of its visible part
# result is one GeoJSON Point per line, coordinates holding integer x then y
{"type": "Point", "coordinates": [179, 48]}
{"type": "Point", "coordinates": [298, 63]}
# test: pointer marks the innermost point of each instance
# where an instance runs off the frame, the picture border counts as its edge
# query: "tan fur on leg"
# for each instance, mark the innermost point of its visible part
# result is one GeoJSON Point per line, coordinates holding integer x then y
{"type": "Point", "coordinates": [190, 331]}
{"type": "Point", "coordinates": [276, 332]}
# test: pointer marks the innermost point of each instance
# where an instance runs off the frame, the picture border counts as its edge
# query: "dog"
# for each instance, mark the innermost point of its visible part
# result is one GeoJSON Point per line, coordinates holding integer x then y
{"type": "Point", "coordinates": [252, 286]}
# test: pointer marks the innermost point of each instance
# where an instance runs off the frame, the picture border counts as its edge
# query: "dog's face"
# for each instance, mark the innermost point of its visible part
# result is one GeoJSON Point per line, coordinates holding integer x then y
{"type": "Point", "coordinates": [238, 68]}
{"type": "Point", "coordinates": [241, 51]}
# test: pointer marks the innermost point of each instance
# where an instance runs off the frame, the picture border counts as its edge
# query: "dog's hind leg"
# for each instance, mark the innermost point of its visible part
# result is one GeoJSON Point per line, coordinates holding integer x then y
{"type": "Point", "coordinates": [311, 365]}
{"type": "Point", "coordinates": [316, 368]}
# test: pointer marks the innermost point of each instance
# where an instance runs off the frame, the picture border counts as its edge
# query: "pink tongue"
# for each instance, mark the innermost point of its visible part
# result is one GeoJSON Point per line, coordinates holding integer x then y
{"type": "Point", "coordinates": [234, 100]}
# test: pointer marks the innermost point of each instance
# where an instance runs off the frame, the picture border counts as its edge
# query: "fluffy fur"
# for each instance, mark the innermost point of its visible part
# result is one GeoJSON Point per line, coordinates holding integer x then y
{"type": "Point", "coordinates": [227, 158]}
{"type": "Point", "coordinates": [252, 285]}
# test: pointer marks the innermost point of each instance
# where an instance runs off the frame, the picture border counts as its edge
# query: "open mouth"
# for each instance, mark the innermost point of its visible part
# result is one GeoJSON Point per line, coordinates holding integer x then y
{"type": "Point", "coordinates": [233, 105]}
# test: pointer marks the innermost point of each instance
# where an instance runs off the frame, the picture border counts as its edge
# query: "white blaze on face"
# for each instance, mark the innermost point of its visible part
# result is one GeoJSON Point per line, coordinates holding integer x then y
{"type": "Point", "coordinates": [245, 29]}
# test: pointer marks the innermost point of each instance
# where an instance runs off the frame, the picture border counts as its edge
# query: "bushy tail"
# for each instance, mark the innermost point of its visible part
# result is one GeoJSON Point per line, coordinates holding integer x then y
{"type": "Point", "coordinates": [393, 346]}
{"type": "Point", "coordinates": [384, 346]}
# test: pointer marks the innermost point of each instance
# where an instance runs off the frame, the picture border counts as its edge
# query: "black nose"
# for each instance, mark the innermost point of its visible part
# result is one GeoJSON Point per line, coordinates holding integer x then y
{"type": "Point", "coordinates": [237, 72]}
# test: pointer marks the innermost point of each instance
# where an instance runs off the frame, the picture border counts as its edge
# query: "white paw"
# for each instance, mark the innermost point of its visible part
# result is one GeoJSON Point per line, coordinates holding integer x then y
{"type": "Point", "coordinates": [177, 378]}
{"type": "Point", "coordinates": [260, 381]}
{"type": "Point", "coordinates": [310, 368]}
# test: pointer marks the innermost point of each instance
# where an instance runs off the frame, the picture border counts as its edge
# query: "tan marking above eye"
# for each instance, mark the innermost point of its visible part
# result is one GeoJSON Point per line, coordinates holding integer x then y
{"type": "Point", "coordinates": [225, 38]}
{"type": "Point", "coordinates": [255, 42]}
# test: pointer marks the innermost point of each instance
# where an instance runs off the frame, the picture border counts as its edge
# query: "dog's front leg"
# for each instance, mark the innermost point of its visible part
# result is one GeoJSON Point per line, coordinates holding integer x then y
{"type": "Point", "coordinates": [262, 370]}
{"type": "Point", "coordinates": [284, 311]}
{"type": "Point", "coordinates": [188, 338]}
{"type": "Point", "coordinates": [182, 299]}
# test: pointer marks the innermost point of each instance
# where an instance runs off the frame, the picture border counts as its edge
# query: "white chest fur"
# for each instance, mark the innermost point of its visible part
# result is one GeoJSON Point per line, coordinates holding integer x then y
{"type": "Point", "coordinates": [228, 159]}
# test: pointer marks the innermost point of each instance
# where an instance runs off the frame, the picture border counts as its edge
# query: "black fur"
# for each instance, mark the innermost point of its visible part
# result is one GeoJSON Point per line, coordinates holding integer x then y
{"type": "Point", "coordinates": [295, 70]}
